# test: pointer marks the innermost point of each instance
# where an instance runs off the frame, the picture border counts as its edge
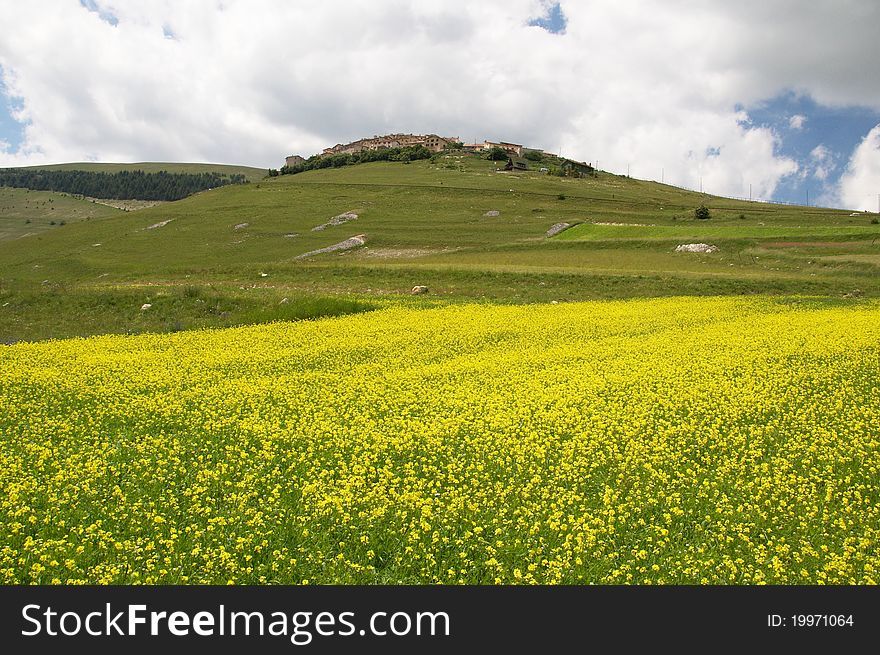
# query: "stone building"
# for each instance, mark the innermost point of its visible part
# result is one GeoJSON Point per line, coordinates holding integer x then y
{"type": "Point", "coordinates": [432, 142]}
{"type": "Point", "coordinates": [293, 160]}
{"type": "Point", "coordinates": [512, 148]}
{"type": "Point", "coordinates": [515, 148]}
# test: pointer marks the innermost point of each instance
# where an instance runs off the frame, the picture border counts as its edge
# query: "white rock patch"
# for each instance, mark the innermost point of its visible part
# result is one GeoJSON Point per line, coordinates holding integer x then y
{"type": "Point", "coordinates": [159, 224]}
{"type": "Point", "coordinates": [556, 229]}
{"type": "Point", "coordinates": [696, 247]}
{"type": "Point", "coordinates": [336, 220]}
{"type": "Point", "coordinates": [348, 244]}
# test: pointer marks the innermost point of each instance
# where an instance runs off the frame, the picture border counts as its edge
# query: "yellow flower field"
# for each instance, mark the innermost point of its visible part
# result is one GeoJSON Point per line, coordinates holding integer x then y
{"type": "Point", "coordinates": [656, 441]}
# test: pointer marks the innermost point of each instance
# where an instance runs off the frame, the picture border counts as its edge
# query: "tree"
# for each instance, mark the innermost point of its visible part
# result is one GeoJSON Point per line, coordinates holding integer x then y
{"type": "Point", "coordinates": [702, 213]}
{"type": "Point", "coordinates": [121, 185]}
{"type": "Point", "coordinates": [497, 154]}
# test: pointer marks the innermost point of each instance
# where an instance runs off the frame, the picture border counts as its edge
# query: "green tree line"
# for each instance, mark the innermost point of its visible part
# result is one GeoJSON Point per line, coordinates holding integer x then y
{"type": "Point", "coordinates": [405, 154]}
{"type": "Point", "coordinates": [123, 185]}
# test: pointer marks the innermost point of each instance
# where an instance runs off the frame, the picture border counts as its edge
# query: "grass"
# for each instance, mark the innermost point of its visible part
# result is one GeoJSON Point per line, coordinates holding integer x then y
{"type": "Point", "coordinates": [425, 223]}
{"type": "Point", "coordinates": [695, 230]}
{"type": "Point", "coordinates": [25, 213]}
{"type": "Point", "coordinates": [55, 312]}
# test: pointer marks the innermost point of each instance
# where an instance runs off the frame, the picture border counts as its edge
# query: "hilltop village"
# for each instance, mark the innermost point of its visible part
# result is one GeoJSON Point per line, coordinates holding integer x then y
{"type": "Point", "coordinates": [403, 147]}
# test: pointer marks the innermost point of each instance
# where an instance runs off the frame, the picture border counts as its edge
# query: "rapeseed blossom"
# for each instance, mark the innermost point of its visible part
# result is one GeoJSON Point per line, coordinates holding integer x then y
{"type": "Point", "coordinates": [657, 441]}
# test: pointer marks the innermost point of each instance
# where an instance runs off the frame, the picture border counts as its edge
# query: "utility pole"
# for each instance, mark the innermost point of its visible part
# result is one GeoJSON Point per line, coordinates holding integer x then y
{"type": "Point", "coordinates": [808, 196]}
{"type": "Point", "coordinates": [701, 184]}
{"type": "Point", "coordinates": [750, 191]}
{"type": "Point", "coordinates": [662, 176]}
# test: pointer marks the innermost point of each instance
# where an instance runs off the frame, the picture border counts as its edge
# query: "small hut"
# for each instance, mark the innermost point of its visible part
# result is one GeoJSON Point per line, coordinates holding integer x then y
{"type": "Point", "coordinates": [516, 164]}
{"type": "Point", "coordinates": [576, 168]}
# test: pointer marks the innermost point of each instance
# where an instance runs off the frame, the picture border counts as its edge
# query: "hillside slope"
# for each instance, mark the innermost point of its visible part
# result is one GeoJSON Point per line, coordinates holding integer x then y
{"type": "Point", "coordinates": [25, 213]}
{"type": "Point", "coordinates": [459, 226]}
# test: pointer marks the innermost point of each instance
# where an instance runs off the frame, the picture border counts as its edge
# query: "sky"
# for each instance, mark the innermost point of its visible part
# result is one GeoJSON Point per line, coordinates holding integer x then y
{"type": "Point", "coordinates": [768, 99]}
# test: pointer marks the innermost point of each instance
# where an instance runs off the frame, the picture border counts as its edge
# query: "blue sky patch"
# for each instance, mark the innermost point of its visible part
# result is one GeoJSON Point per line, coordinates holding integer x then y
{"type": "Point", "coordinates": [11, 131]}
{"type": "Point", "coordinates": [103, 14]}
{"type": "Point", "coordinates": [820, 139]}
{"type": "Point", "coordinates": [554, 21]}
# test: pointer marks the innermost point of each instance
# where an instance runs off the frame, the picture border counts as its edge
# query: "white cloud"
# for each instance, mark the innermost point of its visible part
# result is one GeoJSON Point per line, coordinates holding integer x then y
{"type": "Point", "coordinates": [823, 162]}
{"type": "Point", "coordinates": [649, 85]}
{"type": "Point", "coordinates": [860, 184]}
{"type": "Point", "coordinates": [797, 122]}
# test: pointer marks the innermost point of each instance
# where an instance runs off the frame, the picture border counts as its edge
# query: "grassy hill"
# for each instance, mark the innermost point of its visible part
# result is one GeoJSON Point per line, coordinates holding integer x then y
{"type": "Point", "coordinates": [456, 224]}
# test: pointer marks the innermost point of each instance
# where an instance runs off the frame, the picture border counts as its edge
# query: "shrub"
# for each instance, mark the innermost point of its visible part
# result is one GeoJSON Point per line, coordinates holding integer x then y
{"type": "Point", "coordinates": [561, 196]}
{"type": "Point", "coordinates": [702, 213]}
